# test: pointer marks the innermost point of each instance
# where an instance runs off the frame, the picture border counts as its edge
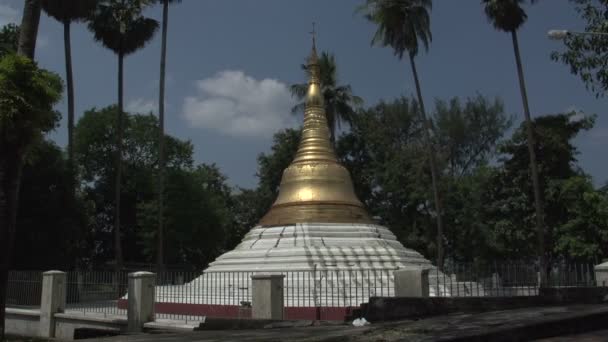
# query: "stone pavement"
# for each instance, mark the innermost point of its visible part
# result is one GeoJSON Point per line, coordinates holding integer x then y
{"type": "Point", "coordinates": [594, 336]}
{"type": "Point", "coordinates": [509, 325]}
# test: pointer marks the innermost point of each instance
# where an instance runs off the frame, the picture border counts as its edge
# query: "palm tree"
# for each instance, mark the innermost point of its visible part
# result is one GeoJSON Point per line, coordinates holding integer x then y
{"type": "Point", "coordinates": [119, 26]}
{"type": "Point", "coordinates": [161, 135]}
{"type": "Point", "coordinates": [509, 16]}
{"type": "Point", "coordinates": [66, 12]}
{"type": "Point", "coordinates": [340, 103]}
{"type": "Point", "coordinates": [403, 25]}
{"type": "Point", "coordinates": [29, 28]}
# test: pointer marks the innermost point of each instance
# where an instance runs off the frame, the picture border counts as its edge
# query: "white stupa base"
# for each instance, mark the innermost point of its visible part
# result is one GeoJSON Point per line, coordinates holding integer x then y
{"type": "Point", "coordinates": [324, 264]}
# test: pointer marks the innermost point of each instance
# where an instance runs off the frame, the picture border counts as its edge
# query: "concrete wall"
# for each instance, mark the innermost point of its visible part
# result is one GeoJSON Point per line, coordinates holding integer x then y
{"type": "Point", "coordinates": [27, 323]}
{"type": "Point", "coordinates": [67, 325]}
{"type": "Point", "coordinates": [22, 322]}
{"type": "Point", "coordinates": [393, 308]}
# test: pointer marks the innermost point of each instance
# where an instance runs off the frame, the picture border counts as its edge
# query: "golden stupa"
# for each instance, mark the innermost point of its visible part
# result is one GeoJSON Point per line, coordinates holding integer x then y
{"type": "Point", "coordinates": [315, 187]}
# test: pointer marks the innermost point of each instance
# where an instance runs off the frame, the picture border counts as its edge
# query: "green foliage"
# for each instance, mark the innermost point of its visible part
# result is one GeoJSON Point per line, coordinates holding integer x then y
{"type": "Point", "coordinates": [468, 133]}
{"type": "Point", "coordinates": [94, 146]}
{"type": "Point", "coordinates": [120, 27]}
{"type": "Point", "coordinates": [506, 15]}
{"type": "Point", "coordinates": [566, 188]}
{"type": "Point", "coordinates": [9, 39]}
{"type": "Point", "coordinates": [385, 153]}
{"type": "Point", "coordinates": [586, 54]}
{"type": "Point", "coordinates": [48, 213]}
{"type": "Point", "coordinates": [402, 24]}
{"type": "Point", "coordinates": [27, 96]}
{"type": "Point", "coordinates": [340, 103]}
{"type": "Point", "coordinates": [67, 11]}
{"type": "Point", "coordinates": [583, 233]}
{"type": "Point", "coordinates": [196, 215]}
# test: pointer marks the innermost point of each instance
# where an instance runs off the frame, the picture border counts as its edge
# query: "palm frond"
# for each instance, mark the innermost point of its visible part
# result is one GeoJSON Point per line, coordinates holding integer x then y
{"type": "Point", "coordinates": [69, 10]}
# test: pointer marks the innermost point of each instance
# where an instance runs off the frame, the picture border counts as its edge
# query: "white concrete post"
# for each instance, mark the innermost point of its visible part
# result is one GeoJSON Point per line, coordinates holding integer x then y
{"type": "Point", "coordinates": [601, 274]}
{"type": "Point", "coordinates": [412, 282]}
{"type": "Point", "coordinates": [52, 301]}
{"type": "Point", "coordinates": [141, 298]}
{"type": "Point", "coordinates": [267, 296]}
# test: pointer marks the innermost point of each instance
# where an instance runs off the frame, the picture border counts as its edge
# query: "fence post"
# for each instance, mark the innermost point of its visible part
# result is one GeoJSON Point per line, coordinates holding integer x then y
{"type": "Point", "coordinates": [52, 301]}
{"type": "Point", "coordinates": [267, 296]}
{"type": "Point", "coordinates": [141, 297]}
{"type": "Point", "coordinates": [412, 282]}
{"type": "Point", "coordinates": [601, 274]}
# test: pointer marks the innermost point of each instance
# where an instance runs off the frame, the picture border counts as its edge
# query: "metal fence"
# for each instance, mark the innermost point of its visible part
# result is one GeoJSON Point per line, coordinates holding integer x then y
{"type": "Point", "coordinates": [24, 288]}
{"type": "Point", "coordinates": [191, 296]}
{"type": "Point", "coordinates": [97, 292]}
{"type": "Point", "coordinates": [505, 280]}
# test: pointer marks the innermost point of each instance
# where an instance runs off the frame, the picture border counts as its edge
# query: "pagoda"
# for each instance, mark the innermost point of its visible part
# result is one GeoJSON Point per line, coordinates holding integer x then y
{"type": "Point", "coordinates": [317, 222]}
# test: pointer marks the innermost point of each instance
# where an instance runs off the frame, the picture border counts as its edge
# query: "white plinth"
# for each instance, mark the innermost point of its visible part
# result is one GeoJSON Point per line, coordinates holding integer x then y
{"type": "Point", "coordinates": [325, 265]}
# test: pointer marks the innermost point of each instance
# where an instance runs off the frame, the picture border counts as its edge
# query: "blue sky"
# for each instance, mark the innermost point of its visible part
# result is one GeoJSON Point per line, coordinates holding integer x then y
{"type": "Point", "coordinates": [230, 63]}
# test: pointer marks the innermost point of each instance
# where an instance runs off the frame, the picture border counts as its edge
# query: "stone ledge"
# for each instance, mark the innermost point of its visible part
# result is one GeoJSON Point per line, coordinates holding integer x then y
{"type": "Point", "coordinates": [172, 325]}
{"type": "Point", "coordinates": [23, 312]}
{"type": "Point", "coordinates": [92, 318]}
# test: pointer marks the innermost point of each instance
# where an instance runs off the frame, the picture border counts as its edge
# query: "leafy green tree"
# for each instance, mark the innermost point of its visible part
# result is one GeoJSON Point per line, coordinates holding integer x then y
{"type": "Point", "coordinates": [29, 28]}
{"type": "Point", "coordinates": [49, 212]}
{"type": "Point", "coordinates": [27, 97]}
{"type": "Point", "coordinates": [404, 25]}
{"type": "Point", "coordinates": [585, 54]}
{"type": "Point", "coordinates": [582, 235]}
{"type": "Point", "coordinates": [340, 103]}
{"type": "Point", "coordinates": [468, 133]}
{"type": "Point", "coordinates": [509, 16]}
{"type": "Point", "coordinates": [384, 152]}
{"type": "Point", "coordinates": [94, 139]}
{"type": "Point", "coordinates": [9, 39]}
{"type": "Point", "coordinates": [161, 146]}
{"type": "Point", "coordinates": [198, 217]}
{"type": "Point", "coordinates": [510, 194]}
{"type": "Point", "coordinates": [119, 26]}
{"type": "Point", "coordinates": [66, 12]}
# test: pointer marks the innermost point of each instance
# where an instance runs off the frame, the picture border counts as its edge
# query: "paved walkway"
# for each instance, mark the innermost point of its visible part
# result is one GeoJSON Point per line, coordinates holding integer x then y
{"type": "Point", "coordinates": [510, 325]}
{"type": "Point", "coordinates": [595, 336]}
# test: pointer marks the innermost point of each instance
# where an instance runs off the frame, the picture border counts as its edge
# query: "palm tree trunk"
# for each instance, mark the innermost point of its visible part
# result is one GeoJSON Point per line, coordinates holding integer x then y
{"type": "Point", "coordinates": [70, 88]}
{"type": "Point", "coordinates": [29, 28]}
{"type": "Point", "coordinates": [540, 225]}
{"type": "Point", "coordinates": [433, 166]}
{"type": "Point", "coordinates": [161, 139]}
{"type": "Point", "coordinates": [119, 138]}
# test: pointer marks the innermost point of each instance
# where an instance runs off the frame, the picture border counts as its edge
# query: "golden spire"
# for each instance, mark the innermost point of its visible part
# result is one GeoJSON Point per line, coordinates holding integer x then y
{"type": "Point", "coordinates": [315, 187]}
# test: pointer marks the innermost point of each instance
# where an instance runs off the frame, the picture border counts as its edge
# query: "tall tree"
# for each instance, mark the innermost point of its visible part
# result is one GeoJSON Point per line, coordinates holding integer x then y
{"type": "Point", "coordinates": [29, 28]}
{"type": "Point", "coordinates": [9, 39]}
{"type": "Point", "coordinates": [160, 257]}
{"type": "Point", "coordinates": [27, 97]}
{"type": "Point", "coordinates": [509, 16]}
{"type": "Point", "coordinates": [94, 143]}
{"type": "Point", "coordinates": [404, 25]}
{"type": "Point", "coordinates": [586, 53]}
{"type": "Point", "coordinates": [66, 12]}
{"type": "Point", "coordinates": [119, 26]}
{"type": "Point", "coordinates": [340, 103]}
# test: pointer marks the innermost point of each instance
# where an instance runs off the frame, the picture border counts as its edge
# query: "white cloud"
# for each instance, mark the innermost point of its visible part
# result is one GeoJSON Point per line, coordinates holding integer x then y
{"type": "Point", "coordinates": [579, 114]}
{"type": "Point", "coordinates": [239, 105]}
{"type": "Point", "coordinates": [8, 14]}
{"type": "Point", "coordinates": [142, 106]}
